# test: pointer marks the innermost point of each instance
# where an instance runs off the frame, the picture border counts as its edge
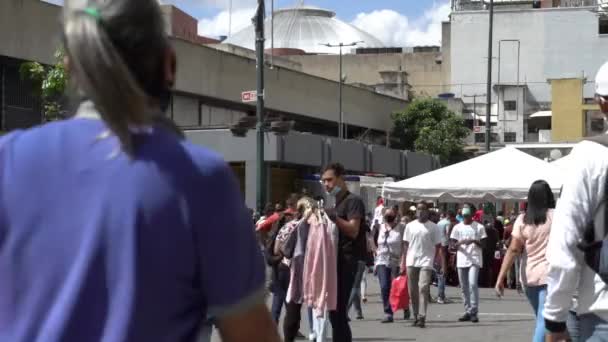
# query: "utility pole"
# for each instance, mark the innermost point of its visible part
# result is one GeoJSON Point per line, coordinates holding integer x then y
{"type": "Point", "coordinates": [259, 49]}
{"type": "Point", "coordinates": [489, 85]}
{"type": "Point", "coordinates": [341, 81]}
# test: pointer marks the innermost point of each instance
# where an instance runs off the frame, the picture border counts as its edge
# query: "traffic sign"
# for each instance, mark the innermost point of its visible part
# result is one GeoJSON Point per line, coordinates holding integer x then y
{"type": "Point", "coordinates": [249, 96]}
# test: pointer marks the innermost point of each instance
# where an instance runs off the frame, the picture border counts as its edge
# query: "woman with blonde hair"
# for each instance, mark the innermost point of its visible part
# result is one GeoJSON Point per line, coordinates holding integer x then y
{"type": "Point", "coordinates": [112, 227]}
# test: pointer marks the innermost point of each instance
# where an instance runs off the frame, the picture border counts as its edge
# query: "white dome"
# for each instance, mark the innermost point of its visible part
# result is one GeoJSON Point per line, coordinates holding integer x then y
{"type": "Point", "coordinates": [306, 28]}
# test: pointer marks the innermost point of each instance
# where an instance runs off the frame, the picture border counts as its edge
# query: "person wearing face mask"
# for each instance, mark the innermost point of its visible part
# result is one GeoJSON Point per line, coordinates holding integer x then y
{"type": "Point", "coordinates": [421, 243]}
{"type": "Point", "coordinates": [388, 256]}
{"type": "Point", "coordinates": [347, 211]}
{"type": "Point", "coordinates": [467, 237]}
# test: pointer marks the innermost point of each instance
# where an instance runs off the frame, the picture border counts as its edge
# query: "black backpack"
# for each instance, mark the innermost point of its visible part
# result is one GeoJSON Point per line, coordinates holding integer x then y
{"type": "Point", "coordinates": [596, 252]}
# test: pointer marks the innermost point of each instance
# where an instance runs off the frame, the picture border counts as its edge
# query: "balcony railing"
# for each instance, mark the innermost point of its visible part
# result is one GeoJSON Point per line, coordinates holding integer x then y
{"type": "Point", "coordinates": [478, 5]}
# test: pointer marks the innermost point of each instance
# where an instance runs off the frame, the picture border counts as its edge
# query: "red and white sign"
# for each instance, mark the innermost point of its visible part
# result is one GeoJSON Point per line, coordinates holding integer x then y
{"type": "Point", "coordinates": [477, 129]}
{"type": "Point", "coordinates": [249, 96]}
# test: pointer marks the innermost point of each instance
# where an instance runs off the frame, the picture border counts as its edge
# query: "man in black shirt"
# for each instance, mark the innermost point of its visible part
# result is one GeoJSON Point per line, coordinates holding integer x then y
{"type": "Point", "coordinates": [349, 216]}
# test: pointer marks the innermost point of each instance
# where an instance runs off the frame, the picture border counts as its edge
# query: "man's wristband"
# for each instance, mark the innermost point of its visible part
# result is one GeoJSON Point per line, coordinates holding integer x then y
{"type": "Point", "coordinates": [555, 327]}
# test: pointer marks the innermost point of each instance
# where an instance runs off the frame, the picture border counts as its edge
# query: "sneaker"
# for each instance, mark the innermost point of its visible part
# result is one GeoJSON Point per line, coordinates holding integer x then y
{"type": "Point", "coordinates": [406, 315]}
{"type": "Point", "coordinates": [474, 319]}
{"type": "Point", "coordinates": [465, 318]}
{"type": "Point", "coordinates": [299, 335]}
{"type": "Point", "coordinates": [359, 317]}
{"type": "Point", "coordinates": [422, 322]}
{"type": "Point", "coordinates": [312, 337]}
{"type": "Point", "coordinates": [364, 300]}
{"type": "Point", "coordinates": [387, 319]}
{"type": "Point", "coordinates": [440, 300]}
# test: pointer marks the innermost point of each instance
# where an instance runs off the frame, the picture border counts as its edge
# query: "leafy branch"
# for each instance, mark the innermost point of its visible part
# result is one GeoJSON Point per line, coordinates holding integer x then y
{"type": "Point", "coordinates": [50, 83]}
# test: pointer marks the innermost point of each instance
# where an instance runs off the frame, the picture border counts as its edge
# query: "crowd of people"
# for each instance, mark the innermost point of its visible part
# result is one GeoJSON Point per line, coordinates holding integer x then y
{"type": "Point", "coordinates": [467, 247]}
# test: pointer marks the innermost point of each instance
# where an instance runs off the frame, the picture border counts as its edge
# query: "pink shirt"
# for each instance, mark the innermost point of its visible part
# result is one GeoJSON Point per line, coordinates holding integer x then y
{"type": "Point", "coordinates": [536, 239]}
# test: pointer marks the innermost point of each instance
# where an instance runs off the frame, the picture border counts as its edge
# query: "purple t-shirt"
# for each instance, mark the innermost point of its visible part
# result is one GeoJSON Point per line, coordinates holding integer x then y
{"type": "Point", "coordinates": [96, 246]}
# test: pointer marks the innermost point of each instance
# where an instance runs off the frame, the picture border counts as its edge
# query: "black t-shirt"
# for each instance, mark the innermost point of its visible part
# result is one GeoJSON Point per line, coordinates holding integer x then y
{"type": "Point", "coordinates": [351, 206]}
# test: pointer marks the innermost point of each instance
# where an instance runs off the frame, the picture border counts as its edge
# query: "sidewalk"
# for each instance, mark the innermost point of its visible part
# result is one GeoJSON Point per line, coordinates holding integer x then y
{"type": "Point", "coordinates": [507, 319]}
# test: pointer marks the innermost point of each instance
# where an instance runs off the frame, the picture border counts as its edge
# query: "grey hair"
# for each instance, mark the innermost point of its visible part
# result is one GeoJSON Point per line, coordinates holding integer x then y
{"type": "Point", "coordinates": [116, 59]}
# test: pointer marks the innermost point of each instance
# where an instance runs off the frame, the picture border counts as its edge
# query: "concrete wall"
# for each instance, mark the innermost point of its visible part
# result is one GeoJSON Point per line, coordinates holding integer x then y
{"type": "Point", "coordinates": [424, 73]}
{"type": "Point", "coordinates": [418, 163]}
{"type": "Point", "coordinates": [353, 155]}
{"type": "Point", "coordinates": [213, 73]}
{"type": "Point", "coordinates": [512, 121]}
{"type": "Point", "coordinates": [568, 119]}
{"type": "Point", "coordinates": [555, 43]}
{"type": "Point", "coordinates": [387, 161]}
{"type": "Point", "coordinates": [311, 151]}
{"type": "Point", "coordinates": [29, 30]}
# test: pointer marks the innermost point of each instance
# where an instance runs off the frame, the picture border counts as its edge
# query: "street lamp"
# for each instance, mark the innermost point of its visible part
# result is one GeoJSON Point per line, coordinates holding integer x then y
{"type": "Point", "coordinates": [341, 81]}
{"type": "Point", "coordinates": [489, 85]}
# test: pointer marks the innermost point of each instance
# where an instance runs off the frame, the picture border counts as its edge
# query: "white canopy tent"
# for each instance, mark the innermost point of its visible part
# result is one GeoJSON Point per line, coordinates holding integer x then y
{"type": "Point", "coordinates": [504, 175]}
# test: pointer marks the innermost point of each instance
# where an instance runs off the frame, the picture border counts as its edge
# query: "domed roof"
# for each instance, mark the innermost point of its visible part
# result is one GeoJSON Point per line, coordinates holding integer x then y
{"type": "Point", "coordinates": [306, 28]}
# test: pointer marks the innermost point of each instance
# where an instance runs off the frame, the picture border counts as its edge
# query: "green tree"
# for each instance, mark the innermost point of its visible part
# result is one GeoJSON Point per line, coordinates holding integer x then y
{"type": "Point", "coordinates": [49, 83]}
{"type": "Point", "coordinates": [427, 125]}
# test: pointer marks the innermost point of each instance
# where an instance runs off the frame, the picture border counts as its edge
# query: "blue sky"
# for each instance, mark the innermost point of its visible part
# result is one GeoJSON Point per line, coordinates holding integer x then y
{"type": "Point", "coordinates": [395, 22]}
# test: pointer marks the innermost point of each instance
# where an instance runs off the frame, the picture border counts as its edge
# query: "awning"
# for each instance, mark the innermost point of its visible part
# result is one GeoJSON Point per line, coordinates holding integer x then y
{"type": "Point", "coordinates": [480, 179]}
{"type": "Point", "coordinates": [542, 114]}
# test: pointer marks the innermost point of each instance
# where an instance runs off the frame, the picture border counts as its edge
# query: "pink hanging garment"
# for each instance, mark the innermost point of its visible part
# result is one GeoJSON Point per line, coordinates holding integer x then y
{"type": "Point", "coordinates": [320, 265]}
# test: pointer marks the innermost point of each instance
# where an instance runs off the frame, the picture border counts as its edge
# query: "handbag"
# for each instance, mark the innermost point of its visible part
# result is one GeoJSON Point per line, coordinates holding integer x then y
{"type": "Point", "coordinates": [399, 296]}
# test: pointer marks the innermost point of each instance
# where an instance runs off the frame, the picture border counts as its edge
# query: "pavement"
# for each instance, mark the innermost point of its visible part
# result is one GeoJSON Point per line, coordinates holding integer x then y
{"type": "Point", "coordinates": [507, 319]}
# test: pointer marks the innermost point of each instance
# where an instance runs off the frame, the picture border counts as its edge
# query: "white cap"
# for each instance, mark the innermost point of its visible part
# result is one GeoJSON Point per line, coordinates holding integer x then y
{"type": "Point", "coordinates": [601, 80]}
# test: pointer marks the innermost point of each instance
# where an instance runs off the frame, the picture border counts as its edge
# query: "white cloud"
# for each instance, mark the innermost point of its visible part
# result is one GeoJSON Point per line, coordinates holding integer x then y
{"type": "Point", "coordinates": [218, 25]}
{"type": "Point", "coordinates": [395, 29]}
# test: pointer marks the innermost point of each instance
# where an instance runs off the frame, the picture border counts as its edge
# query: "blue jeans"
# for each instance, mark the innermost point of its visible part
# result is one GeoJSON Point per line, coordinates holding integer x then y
{"type": "Point", "coordinates": [593, 328]}
{"type": "Point", "coordinates": [468, 278]}
{"type": "Point", "coordinates": [574, 326]}
{"type": "Point", "coordinates": [536, 296]}
{"type": "Point", "coordinates": [440, 285]}
{"type": "Point", "coordinates": [355, 294]}
{"type": "Point", "coordinates": [385, 277]}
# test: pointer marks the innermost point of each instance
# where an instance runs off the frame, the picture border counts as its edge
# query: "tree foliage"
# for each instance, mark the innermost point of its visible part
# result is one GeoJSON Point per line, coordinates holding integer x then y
{"type": "Point", "coordinates": [427, 125]}
{"type": "Point", "coordinates": [50, 83]}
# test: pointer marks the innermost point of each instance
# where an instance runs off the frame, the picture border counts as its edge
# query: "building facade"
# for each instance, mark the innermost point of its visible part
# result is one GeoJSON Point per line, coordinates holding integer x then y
{"type": "Point", "coordinates": [537, 46]}
{"type": "Point", "coordinates": [207, 100]}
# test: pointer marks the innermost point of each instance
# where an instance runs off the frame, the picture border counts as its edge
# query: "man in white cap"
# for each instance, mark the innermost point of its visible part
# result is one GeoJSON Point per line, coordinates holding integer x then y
{"type": "Point", "coordinates": [576, 223]}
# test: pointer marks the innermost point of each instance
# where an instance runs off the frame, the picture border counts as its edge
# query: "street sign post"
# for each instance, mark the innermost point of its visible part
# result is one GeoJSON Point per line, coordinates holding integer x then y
{"type": "Point", "coordinates": [249, 96]}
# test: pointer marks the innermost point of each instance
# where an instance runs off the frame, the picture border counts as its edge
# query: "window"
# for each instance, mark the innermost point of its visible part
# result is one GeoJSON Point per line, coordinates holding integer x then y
{"type": "Point", "coordinates": [602, 25]}
{"type": "Point", "coordinates": [469, 123]}
{"type": "Point", "coordinates": [481, 138]}
{"type": "Point", "coordinates": [510, 105]}
{"type": "Point", "coordinates": [510, 137]}
{"type": "Point", "coordinates": [594, 123]}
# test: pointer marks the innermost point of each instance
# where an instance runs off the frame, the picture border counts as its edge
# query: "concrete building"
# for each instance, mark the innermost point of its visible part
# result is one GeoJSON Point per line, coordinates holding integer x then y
{"type": "Point", "coordinates": [300, 35]}
{"type": "Point", "coordinates": [573, 116]}
{"type": "Point", "coordinates": [207, 100]}
{"type": "Point", "coordinates": [420, 69]}
{"type": "Point", "coordinates": [535, 42]}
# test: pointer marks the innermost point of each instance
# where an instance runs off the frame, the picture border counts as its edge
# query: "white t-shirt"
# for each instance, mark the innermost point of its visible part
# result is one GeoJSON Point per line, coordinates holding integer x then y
{"type": "Point", "coordinates": [389, 246]}
{"type": "Point", "coordinates": [469, 255]}
{"type": "Point", "coordinates": [422, 239]}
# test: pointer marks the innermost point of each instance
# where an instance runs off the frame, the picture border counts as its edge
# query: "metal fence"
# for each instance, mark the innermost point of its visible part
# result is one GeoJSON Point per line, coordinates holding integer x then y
{"type": "Point", "coordinates": [478, 5]}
